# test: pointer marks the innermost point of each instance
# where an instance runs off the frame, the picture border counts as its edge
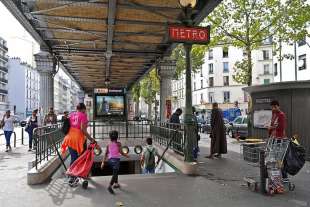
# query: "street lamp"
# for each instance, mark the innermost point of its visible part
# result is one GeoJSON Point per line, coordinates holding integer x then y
{"type": "Point", "coordinates": [188, 3]}
{"type": "Point", "coordinates": [190, 135]}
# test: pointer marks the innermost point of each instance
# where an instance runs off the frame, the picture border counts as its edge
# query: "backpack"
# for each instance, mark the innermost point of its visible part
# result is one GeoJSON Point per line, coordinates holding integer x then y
{"type": "Point", "coordinates": [66, 126]}
{"type": "Point", "coordinates": [150, 158]}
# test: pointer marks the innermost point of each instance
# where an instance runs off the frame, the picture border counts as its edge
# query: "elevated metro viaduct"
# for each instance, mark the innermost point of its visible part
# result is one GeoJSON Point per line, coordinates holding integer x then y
{"type": "Point", "coordinates": [112, 42]}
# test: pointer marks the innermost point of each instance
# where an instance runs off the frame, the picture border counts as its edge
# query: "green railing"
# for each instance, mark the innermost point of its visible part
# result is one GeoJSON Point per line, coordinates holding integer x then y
{"type": "Point", "coordinates": [46, 139]}
{"type": "Point", "coordinates": [126, 129]}
{"type": "Point", "coordinates": [167, 133]}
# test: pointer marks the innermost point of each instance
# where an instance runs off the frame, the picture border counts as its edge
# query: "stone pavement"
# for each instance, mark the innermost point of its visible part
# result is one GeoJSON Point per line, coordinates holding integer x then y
{"type": "Point", "coordinates": [219, 184]}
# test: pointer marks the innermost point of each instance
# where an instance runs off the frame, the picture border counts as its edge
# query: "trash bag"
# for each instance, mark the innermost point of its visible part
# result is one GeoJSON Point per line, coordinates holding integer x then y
{"type": "Point", "coordinates": [294, 159]}
{"type": "Point", "coordinates": [82, 166]}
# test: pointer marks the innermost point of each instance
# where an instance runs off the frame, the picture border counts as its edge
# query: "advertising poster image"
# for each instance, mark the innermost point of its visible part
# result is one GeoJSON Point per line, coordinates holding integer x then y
{"type": "Point", "coordinates": [110, 105]}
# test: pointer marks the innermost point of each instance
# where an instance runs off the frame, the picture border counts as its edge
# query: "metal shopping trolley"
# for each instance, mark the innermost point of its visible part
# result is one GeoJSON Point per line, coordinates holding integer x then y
{"type": "Point", "coordinates": [274, 160]}
{"type": "Point", "coordinates": [270, 159]}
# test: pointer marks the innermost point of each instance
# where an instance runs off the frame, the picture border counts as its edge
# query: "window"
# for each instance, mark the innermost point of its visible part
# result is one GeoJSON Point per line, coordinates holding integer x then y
{"type": "Point", "coordinates": [226, 96]}
{"type": "Point", "coordinates": [201, 83]}
{"type": "Point", "coordinates": [275, 69]}
{"type": "Point", "coordinates": [225, 67]}
{"type": "Point", "coordinates": [211, 82]}
{"type": "Point", "coordinates": [266, 69]}
{"type": "Point", "coordinates": [225, 52]}
{"type": "Point", "coordinates": [266, 81]}
{"type": "Point", "coordinates": [201, 98]}
{"type": "Point", "coordinates": [302, 62]}
{"type": "Point", "coordinates": [210, 54]}
{"type": "Point", "coordinates": [194, 86]}
{"type": "Point", "coordinates": [302, 42]}
{"type": "Point", "coordinates": [226, 80]}
{"type": "Point", "coordinates": [201, 74]}
{"type": "Point", "coordinates": [211, 68]}
{"type": "Point", "coordinates": [211, 97]}
{"type": "Point", "coordinates": [266, 54]}
{"type": "Point", "coordinates": [238, 120]}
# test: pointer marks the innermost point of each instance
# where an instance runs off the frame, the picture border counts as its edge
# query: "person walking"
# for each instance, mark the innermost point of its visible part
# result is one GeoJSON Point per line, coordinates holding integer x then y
{"type": "Point", "coordinates": [65, 116]}
{"type": "Point", "coordinates": [218, 135]}
{"type": "Point", "coordinates": [50, 118]}
{"type": "Point", "coordinates": [148, 157]}
{"type": "Point", "coordinates": [75, 140]}
{"type": "Point", "coordinates": [8, 128]}
{"type": "Point", "coordinates": [112, 155]}
{"type": "Point", "coordinates": [32, 123]}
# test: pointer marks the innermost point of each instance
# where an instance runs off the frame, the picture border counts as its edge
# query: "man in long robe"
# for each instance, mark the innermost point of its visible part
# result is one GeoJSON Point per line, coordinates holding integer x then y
{"type": "Point", "coordinates": [218, 135]}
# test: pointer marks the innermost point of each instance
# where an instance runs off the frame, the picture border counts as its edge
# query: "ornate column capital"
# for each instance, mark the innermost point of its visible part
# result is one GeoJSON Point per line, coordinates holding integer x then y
{"type": "Point", "coordinates": [166, 68]}
{"type": "Point", "coordinates": [45, 62]}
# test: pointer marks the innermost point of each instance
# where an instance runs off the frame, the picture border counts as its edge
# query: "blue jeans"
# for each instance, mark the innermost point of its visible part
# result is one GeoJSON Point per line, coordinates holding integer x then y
{"type": "Point", "coordinates": [148, 171]}
{"type": "Point", "coordinates": [73, 154]}
{"type": "Point", "coordinates": [7, 135]}
{"type": "Point", "coordinates": [114, 163]}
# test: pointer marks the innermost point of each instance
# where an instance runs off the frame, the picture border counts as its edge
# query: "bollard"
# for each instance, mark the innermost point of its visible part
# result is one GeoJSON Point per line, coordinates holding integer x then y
{"type": "Point", "coordinates": [22, 135]}
{"type": "Point", "coordinates": [263, 171]}
{"type": "Point", "coordinates": [14, 139]}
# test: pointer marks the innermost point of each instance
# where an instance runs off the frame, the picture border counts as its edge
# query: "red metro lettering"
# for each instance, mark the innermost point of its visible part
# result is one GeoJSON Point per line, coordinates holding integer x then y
{"type": "Point", "coordinates": [185, 34]}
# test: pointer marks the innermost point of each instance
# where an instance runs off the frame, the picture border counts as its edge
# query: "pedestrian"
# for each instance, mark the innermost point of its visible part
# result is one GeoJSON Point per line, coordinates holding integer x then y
{"type": "Point", "coordinates": [112, 155]}
{"type": "Point", "coordinates": [148, 157]}
{"type": "Point", "coordinates": [8, 128]}
{"type": "Point", "coordinates": [50, 118]}
{"type": "Point", "coordinates": [175, 117]}
{"type": "Point", "coordinates": [218, 135]}
{"type": "Point", "coordinates": [65, 116]}
{"type": "Point", "coordinates": [277, 128]}
{"type": "Point", "coordinates": [32, 123]}
{"type": "Point", "coordinates": [75, 140]}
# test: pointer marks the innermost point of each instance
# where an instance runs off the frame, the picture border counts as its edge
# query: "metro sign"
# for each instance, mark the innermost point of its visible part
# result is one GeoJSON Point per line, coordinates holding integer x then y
{"type": "Point", "coordinates": [194, 35]}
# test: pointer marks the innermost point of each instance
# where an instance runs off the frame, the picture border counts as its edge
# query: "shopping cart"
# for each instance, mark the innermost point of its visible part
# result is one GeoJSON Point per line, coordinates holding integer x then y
{"type": "Point", "coordinates": [274, 159]}
{"type": "Point", "coordinates": [270, 159]}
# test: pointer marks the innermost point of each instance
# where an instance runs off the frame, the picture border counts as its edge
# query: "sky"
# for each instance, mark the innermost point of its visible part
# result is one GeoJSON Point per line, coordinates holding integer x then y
{"type": "Point", "coordinates": [19, 41]}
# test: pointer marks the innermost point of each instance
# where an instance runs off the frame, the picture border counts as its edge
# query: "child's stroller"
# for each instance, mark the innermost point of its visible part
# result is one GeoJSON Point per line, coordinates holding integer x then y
{"type": "Point", "coordinates": [81, 168]}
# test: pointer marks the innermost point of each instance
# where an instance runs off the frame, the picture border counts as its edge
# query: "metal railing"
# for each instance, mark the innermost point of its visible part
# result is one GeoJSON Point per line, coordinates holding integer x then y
{"type": "Point", "coordinates": [45, 139]}
{"type": "Point", "coordinates": [163, 133]}
{"type": "Point", "coordinates": [127, 129]}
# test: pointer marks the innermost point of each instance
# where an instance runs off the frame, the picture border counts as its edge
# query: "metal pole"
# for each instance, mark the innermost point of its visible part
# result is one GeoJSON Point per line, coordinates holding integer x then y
{"type": "Point", "coordinates": [22, 135]}
{"type": "Point", "coordinates": [280, 60]}
{"type": "Point", "coordinates": [295, 57]}
{"type": "Point", "coordinates": [263, 171]}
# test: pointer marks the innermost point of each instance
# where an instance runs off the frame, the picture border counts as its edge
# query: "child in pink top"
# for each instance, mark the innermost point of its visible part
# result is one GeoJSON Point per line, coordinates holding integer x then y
{"type": "Point", "coordinates": [113, 153]}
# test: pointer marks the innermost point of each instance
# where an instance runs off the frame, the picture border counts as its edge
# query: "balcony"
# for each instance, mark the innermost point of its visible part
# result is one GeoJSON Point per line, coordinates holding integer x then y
{"type": "Point", "coordinates": [3, 80]}
{"type": "Point", "coordinates": [4, 69]}
{"type": "Point", "coordinates": [3, 91]}
{"type": "Point", "coordinates": [6, 59]}
{"type": "Point", "coordinates": [4, 47]}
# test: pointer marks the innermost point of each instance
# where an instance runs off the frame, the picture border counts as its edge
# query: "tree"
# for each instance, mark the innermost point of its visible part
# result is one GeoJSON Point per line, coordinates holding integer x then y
{"type": "Point", "coordinates": [197, 57]}
{"type": "Point", "coordinates": [136, 90]}
{"type": "Point", "coordinates": [149, 87]}
{"type": "Point", "coordinates": [247, 23]}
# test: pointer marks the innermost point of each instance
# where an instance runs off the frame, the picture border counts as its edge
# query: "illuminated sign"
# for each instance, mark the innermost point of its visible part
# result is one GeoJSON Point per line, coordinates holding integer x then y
{"type": "Point", "coordinates": [195, 35]}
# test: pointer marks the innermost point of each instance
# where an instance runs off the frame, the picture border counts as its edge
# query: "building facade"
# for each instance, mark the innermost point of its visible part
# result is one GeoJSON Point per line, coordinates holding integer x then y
{"type": "Point", "coordinates": [215, 82]}
{"type": "Point", "coordinates": [287, 69]}
{"type": "Point", "coordinates": [23, 87]}
{"type": "Point", "coordinates": [62, 94]}
{"type": "Point", "coordinates": [4, 104]}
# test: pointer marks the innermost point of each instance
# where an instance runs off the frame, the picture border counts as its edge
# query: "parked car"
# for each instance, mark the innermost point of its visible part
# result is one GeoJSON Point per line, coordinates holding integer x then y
{"type": "Point", "coordinates": [239, 127]}
{"type": "Point", "coordinates": [206, 128]}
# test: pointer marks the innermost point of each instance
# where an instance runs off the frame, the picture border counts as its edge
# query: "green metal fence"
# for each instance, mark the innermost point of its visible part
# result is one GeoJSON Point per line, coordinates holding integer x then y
{"type": "Point", "coordinates": [45, 140]}
{"type": "Point", "coordinates": [162, 133]}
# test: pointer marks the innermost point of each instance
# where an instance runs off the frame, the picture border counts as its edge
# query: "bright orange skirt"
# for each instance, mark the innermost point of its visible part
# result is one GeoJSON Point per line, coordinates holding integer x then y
{"type": "Point", "coordinates": [75, 139]}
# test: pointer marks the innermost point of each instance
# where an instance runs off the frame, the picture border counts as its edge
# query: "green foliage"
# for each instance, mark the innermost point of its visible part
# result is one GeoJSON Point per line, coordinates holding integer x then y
{"type": "Point", "coordinates": [247, 23]}
{"type": "Point", "coordinates": [135, 90]}
{"type": "Point", "coordinates": [149, 87]}
{"type": "Point", "coordinates": [197, 58]}
{"type": "Point", "coordinates": [241, 74]}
